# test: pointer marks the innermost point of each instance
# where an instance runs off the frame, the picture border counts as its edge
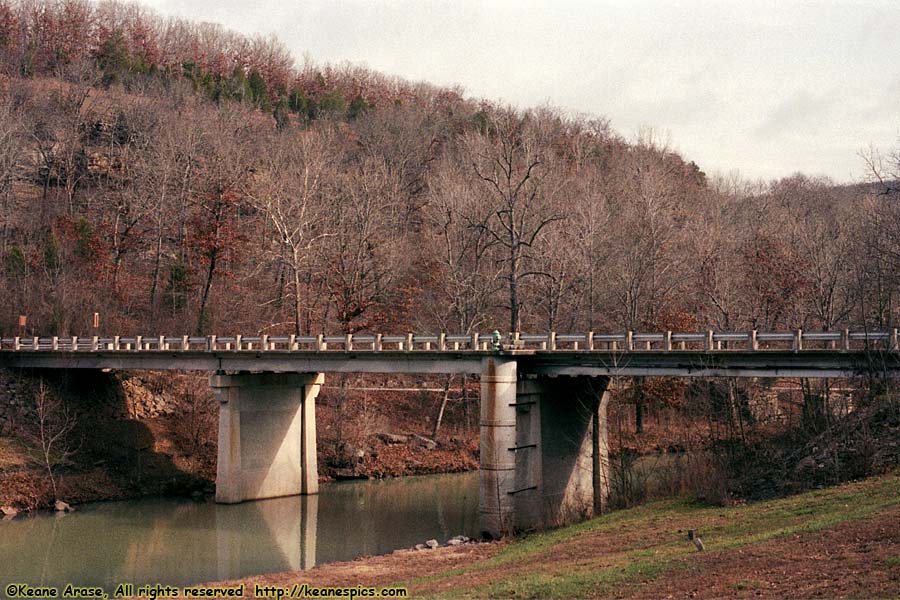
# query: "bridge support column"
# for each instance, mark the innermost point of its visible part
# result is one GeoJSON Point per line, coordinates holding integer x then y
{"type": "Point", "coordinates": [497, 472]}
{"type": "Point", "coordinates": [544, 449]}
{"type": "Point", "coordinates": [267, 435]}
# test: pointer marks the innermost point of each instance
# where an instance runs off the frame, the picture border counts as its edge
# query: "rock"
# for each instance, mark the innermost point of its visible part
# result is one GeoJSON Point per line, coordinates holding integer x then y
{"type": "Point", "coordinates": [61, 506]}
{"type": "Point", "coordinates": [347, 475]}
{"type": "Point", "coordinates": [358, 453]}
{"type": "Point", "coordinates": [458, 540]}
{"type": "Point", "coordinates": [8, 511]}
{"type": "Point", "coordinates": [425, 442]}
{"type": "Point", "coordinates": [393, 438]}
{"type": "Point", "coordinates": [432, 544]}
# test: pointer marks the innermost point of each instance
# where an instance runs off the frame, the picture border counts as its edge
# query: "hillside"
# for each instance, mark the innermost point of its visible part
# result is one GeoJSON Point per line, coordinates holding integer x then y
{"type": "Point", "coordinates": [175, 177]}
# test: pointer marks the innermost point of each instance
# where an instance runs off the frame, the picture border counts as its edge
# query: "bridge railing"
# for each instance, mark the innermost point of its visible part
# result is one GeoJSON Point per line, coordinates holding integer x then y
{"type": "Point", "coordinates": [628, 341]}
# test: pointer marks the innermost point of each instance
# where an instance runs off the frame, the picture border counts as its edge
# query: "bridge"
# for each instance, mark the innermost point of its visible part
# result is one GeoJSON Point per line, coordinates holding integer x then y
{"type": "Point", "coordinates": [543, 437]}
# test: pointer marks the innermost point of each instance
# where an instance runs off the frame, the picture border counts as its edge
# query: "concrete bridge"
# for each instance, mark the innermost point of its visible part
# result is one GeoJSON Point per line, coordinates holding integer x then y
{"type": "Point", "coordinates": [544, 453]}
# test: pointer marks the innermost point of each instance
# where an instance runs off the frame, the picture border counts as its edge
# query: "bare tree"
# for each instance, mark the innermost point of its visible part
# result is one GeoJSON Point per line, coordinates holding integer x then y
{"type": "Point", "coordinates": [12, 141]}
{"type": "Point", "coordinates": [467, 278]}
{"type": "Point", "coordinates": [512, 159]}
{"type": "Point", "coordinates": [290, 187]}
{"type": "Point", "coordinates": [360, 261]}
{"type": "Point", "coordinates": [54, 424]}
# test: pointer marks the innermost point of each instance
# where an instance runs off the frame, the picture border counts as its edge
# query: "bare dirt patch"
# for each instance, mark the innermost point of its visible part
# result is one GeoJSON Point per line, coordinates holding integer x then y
{"type": "Point", "coordinates": [391, 569]}
{"type": "Point", "coordinates": [851, 560]}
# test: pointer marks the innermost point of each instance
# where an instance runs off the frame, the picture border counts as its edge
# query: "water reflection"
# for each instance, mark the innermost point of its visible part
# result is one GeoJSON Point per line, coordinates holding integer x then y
{"type": "Point", "coordinates": [179, 542]}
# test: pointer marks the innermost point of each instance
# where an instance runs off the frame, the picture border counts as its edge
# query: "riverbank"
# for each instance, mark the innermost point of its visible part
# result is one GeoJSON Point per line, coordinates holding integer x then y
{"type": "Point", "coordinates": [838, 542]}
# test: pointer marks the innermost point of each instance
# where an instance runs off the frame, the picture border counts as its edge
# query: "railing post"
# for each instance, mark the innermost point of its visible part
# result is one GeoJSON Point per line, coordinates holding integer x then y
{"type": "Point", "coordinates": [668, 341]}
{"type": "Point", "coordinates": [709, 341]}
{"type": "Point", "coordinates": [894, 341]}
{"type": "Point", "coordinates": [475, 341]}
{"type": "Point", "coordinates": [35, 343]}
{"type": "Point", "coordinates": [348, 342]}
{"type": "Point", "coordinates": [211, 343]}
{"type": "Point", "coordinates": [185, 343]}
{"type": "Point", "coordinates": [237, 342]}
{"type": "Point", "coordinates": [590, 341]}
{"type": "Point", "coordinates": [552, 340]}
{"type": "Point", "coordinates": [55, 343]}
{"type": "Point", "coordinates": [320, 343]}
{"type": "Point", "coordinates": [94, 343]}
{"type": "Point", "coordinates": [442, 342]}
{"type": "Point", "coordinates": [138, 343]}
{"type": "Point", "coordinates": [845, 340]}
{"type": "Point", "coordinates": [798, 340]}
{"type": "Point", "coordinates": [162, 342]}
{"type": "Point", "coordinates": [753, 344]}
{"type": "Point", "coordinates": [409, 342]}
{"type": "Point", "coordinates": [292, 342]}
{"type": "Point", "coordinates": [377, 343]}
{"type": "Point", "coordinates": [116, 342]}
{"type": "Point", "coordinates": [629, 341]}
{"type": "Point", "coordinates": [74, 343]}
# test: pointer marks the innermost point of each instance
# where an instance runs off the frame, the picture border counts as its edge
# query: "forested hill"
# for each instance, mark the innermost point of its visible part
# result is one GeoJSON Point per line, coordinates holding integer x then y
{"type": "Point", "coordinates": [175, 177]}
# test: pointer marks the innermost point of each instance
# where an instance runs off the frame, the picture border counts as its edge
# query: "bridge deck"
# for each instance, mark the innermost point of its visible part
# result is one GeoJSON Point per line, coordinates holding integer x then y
{"type": "Point", "coordinates": [750, 354]}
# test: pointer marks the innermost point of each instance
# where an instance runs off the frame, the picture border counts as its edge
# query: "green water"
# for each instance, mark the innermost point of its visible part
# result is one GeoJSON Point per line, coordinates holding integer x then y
{"type": "Point", "coordinates": [179, 542]}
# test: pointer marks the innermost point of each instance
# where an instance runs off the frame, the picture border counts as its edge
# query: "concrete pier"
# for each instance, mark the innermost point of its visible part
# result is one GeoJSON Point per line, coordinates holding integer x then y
{"type": "Point", "coordinates": [498, 440]}
{"type": "Point", "coordinates": [267, 435]}
{"type": "Point", "coordinates": [538, 444]}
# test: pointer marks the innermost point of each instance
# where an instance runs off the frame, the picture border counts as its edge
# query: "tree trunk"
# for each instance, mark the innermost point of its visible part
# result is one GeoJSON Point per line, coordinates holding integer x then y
{"type": "Point", "coordinates": [440, 415]}
{"type": "Point", "coordinates": [201, 314]}
{"type": "Point", "coordinates": [298, 308]}
{"type": "Point", "coordinates": [639, 405]}
{"type": "Point", "coordinates": [513, 290]}
{"type": "Point", "coordinates": [156, 267]}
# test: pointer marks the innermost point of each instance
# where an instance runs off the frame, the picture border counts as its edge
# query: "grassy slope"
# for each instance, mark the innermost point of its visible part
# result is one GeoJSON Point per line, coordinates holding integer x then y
{"type": "Point", "coordinates": [629, 551]}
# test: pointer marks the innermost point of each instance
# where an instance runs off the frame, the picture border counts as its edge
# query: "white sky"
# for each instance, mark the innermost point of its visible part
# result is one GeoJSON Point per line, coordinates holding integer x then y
{"type": "Point", "coordinates": [766, 88]}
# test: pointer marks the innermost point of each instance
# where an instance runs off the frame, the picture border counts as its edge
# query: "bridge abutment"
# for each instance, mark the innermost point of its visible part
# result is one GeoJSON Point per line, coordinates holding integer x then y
{"type": "Point", "coordinates": [544, 457]}
{"type": "Point", "coordinates": [267, 435]}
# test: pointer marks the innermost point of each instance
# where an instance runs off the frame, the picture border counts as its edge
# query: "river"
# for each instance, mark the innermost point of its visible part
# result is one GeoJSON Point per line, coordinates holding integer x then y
{"type": "Point", "coordinates": [181, 542]}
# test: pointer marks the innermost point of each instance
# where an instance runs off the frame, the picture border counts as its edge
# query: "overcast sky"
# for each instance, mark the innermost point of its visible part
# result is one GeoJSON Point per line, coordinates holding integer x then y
{"type": "Point", "coordinates": [766, 88]}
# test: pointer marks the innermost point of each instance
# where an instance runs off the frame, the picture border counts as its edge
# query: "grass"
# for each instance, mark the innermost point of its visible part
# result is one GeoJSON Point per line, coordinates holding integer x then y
{"type": "Point", "coordinates": [598, 557]}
